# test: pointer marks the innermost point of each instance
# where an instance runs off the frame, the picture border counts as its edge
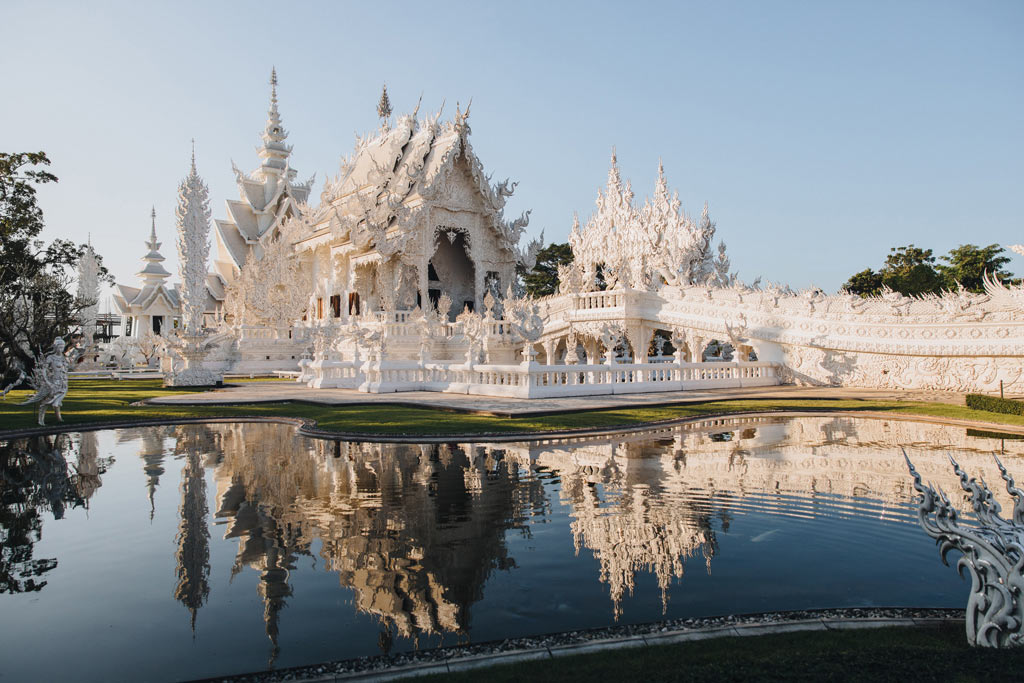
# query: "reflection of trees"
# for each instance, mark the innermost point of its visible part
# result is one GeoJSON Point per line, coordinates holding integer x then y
{"type": "Point", "coordinates": [35, 478]}
{"type": "Point", "coordinates": [415, 531]}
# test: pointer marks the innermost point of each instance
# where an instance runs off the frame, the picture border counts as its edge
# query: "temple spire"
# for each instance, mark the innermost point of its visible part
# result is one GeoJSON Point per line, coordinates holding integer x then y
{"type": "Point", "coordinates": [153, 272]}
{"type": "Point", "coordinates": [614, 179]}
{"type": "Point", "coordinates": [153, 244]}
{"type": "Point", "coordinates": [384, 105]}
{"type": "Point", "coordinates": [274, 151]}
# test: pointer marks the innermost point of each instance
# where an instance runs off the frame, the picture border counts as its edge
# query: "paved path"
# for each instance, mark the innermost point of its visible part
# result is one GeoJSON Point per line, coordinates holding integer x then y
{"type": "Point", "coordinates": [267, 392]}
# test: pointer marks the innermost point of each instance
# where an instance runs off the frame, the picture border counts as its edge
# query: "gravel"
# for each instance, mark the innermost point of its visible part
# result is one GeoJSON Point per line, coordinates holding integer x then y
{"type": "Point", "coordinates": [439, 656]}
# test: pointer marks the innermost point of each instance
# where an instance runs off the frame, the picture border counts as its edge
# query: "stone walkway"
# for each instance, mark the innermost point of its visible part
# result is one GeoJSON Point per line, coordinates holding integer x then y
{"type": "Point", "coordinates": [275, 392]}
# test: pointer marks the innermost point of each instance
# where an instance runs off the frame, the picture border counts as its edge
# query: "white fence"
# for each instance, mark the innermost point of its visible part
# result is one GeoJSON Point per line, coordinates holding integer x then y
{"type": "Point", "coordinates": [531, 380]}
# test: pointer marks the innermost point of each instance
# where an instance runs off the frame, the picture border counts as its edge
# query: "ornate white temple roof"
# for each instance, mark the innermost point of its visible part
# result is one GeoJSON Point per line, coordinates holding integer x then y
{"type": "Point", "coordinates": [266, 196]}
{"type": "Point", "coordinates": [393, 172]}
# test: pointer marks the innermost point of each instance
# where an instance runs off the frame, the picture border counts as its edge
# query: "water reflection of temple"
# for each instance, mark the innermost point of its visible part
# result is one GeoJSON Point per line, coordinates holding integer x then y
{"type": "Point", "coordinates": [196, 445]}
{"type": "Point", "coordinates": [648, 501]}
{"type": "Point", "coordinates": [414, 531]}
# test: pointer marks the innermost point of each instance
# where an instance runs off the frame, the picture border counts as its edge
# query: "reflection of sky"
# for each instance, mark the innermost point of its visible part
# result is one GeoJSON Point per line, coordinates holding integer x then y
{"type": "Point", "coordinates": [479, 548]}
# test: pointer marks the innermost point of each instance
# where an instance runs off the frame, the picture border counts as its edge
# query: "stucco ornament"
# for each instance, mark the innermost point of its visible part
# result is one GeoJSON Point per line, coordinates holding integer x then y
{"type": "Point", "coordinates": [193, 218]}
{"type": "Point", "coordinates": [271, 291]}
{"type": "Point", "coordinates": [524, 318]}
{"type": "Point", "coordinates": [50, 381]}
{"type": "Point", "coordinates": [89, 291]}
{"type": "Point", "coordinates": [993, 554]}
{"type": "Point", "coordinates": [473, 329]}
{"type": "Point", "coordinates": [644, 247]}
{"type": "Point", "coordinates": [190, 345]}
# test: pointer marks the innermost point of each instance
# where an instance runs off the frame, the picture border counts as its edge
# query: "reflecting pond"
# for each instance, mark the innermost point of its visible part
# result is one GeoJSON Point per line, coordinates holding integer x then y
{"type": "Point", "coordinates": [162, 553]}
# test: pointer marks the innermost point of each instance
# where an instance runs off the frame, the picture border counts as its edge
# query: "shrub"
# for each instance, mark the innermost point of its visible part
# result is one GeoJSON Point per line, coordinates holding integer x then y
{"type": "Point", "coordinates": [994, 404]}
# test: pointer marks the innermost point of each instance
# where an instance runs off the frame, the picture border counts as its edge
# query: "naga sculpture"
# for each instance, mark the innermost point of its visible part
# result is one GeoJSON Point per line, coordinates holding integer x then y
{"type": "Point", "coordinates": [993, 554]}
{"type": "Point", "coordinates": [50, 381]}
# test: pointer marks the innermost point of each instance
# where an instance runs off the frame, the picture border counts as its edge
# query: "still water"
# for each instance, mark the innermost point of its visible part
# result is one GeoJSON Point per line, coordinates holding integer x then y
{"type": "Point", "coordinates": [166, 553]}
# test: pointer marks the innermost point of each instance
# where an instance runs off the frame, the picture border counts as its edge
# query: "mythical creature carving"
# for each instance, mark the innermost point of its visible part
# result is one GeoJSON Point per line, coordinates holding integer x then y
{"type": "Point", "coordinates": [993, 554]}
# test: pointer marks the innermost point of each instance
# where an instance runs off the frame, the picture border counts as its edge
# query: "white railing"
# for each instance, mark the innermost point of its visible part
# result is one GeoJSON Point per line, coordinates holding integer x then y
{"type": "Point", "coordinates": [591, 300]}
{"type": "Point", "coordinates": [531, 380]}
{"type": "Point", "coordinates": [297, 334]}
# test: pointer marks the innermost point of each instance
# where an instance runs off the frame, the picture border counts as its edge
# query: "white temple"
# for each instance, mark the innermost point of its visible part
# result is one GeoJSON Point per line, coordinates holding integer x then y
{"type": "Point", "coordinates": [403, 277]}
{"type": "Point", "coordinates": [154, 307]}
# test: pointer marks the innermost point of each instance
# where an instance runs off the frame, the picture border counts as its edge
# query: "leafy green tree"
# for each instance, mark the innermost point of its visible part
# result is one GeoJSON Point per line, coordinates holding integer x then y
{"type": "Point", "coordinates": [865, 283]}
{"type": "Point", "coordinates": [967, 265]}
{"type": "Point", "coordinates": [910, 270]}
{"type": "Point", "coordinates": [542, 280]}
{"type": "Point", "coordinates": [36, 303]}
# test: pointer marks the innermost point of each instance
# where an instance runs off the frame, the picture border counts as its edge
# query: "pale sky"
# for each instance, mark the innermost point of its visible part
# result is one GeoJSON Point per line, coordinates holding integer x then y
{"type": "Point", "coordinates": [821, 134]}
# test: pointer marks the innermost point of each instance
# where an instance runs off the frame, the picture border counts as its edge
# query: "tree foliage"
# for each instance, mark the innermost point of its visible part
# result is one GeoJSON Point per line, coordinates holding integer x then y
{"type": "Point", "coordinates": [912, 271]}
{"type": "Point", "coordinates": [36, 301]}
{"type": "Point", "coordinates": [865, 283]}
{"type": "Point", "coordinates": [542, 280]}
{"type": "Point", "coordinates": [967, 265]}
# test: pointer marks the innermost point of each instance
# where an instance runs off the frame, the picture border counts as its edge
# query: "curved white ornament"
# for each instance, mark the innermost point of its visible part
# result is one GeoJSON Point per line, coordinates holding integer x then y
{"type": "Point", "coordinates": [993, 554]}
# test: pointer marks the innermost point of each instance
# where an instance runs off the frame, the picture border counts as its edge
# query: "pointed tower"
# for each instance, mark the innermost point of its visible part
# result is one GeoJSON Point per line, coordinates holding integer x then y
{"type": "Point", "coordinates": [266, 197]}
{"type": "Point", "coordinates": [153, 272]}
{"type": "Point", "coordinates": [193, 218]}
{"type": "Point", "coordinates": [148, 308]}
{"type": "Point", "coordinates": [274, 153]}
{"type": "Point", "coordinates": [384, 106]}
{"type": "Point", "coordinates": [89, 290]}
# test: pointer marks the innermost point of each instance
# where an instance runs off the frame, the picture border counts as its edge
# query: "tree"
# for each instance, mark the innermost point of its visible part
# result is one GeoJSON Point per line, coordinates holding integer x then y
{"type": "Point", "coordinates": [865, 283]}
{"type": "Point", "coordinates": [36, 303]}
{"type": "Point", "coordinates": [909, 270]}
{"type": "Point", "coordinates": [542, 280]}
{"type": "Point", "coordinates": [969, 263]}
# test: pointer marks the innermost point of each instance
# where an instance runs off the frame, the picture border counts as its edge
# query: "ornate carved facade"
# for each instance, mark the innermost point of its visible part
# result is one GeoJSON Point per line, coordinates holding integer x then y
{"type": "Point", "coordinates": [346, 293]}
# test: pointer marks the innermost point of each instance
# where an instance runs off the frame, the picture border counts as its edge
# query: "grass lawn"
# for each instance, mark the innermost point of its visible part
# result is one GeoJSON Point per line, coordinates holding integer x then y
{"type": "Point", "coordinates": [102, 401]}
{"type": "Point", "coordinates": [885, 654]}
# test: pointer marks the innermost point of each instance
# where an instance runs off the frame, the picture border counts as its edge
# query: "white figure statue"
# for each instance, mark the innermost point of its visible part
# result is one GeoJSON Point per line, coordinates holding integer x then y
{"type": "Point", "coordinates": [50, 380]}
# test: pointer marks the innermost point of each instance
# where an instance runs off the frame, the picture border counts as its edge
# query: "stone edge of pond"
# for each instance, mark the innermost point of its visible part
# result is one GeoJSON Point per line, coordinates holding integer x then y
{"type": "Point", "coordinates": [307, 426]}
{"type": "Point", "coordinates": [457, 658]}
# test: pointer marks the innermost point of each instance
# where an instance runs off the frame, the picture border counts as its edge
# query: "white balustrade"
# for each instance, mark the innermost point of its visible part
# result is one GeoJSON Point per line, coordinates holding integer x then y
{"type": "Point", "coordinates": [529, 380]}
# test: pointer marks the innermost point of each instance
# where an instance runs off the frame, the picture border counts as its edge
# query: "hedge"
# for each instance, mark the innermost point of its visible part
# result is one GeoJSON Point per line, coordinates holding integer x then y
{"type": "Point", "coordinates": [994, 404]}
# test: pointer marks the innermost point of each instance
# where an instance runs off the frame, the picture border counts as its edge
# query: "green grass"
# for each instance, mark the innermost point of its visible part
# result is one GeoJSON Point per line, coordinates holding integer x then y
{"type": "Point", "coordinates": [104, 401]}
{"type": "Point", "coordinates": [886, 654]}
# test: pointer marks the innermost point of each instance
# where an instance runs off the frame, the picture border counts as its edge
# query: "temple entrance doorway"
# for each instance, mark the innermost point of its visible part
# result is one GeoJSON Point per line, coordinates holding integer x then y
{"type": "Point", "coordinates": [452, 272]}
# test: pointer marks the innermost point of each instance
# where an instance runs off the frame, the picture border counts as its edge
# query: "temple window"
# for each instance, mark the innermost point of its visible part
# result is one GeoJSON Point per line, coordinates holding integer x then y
{"type": "Point", "coordinates": [353, 303]}
{"type": "Point", "coordinates": [320, 307]}
{"type": "Point", "coordinates": [336, 305]}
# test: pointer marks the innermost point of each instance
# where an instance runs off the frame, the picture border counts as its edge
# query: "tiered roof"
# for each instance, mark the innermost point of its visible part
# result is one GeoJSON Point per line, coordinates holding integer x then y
{"type": "Point", "coordinates": [396, 171]}
{"type": "Point", "coordinates": [266, 197]}
{"type": "Point", "coordinates": [154, 280]}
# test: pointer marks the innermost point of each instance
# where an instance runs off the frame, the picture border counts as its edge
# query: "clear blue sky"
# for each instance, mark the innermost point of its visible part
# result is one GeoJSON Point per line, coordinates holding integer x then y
{"type": "Point", "coordinates": [820, 133]}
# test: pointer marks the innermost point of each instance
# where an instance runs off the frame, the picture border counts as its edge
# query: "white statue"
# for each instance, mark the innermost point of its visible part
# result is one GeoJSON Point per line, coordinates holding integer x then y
{"type": "Point", "coordinates": [50, 381]}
